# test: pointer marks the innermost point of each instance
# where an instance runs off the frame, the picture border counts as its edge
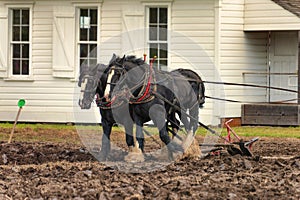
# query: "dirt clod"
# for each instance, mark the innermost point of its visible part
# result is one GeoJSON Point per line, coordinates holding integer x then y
{"type": "Point", "coordinates": [66, 171]}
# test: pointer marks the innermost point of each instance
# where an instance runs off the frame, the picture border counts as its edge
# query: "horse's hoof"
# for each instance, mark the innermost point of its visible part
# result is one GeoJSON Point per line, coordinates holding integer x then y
{"type": "Point", "coordinates": [175, 147]}
{"type": "Point", "coordinates": [135, 154]}
{"type": "Point", "coordinates": [134, 158]}
{"type": "Point", "coordinates": [193, 151]}
{"type": "Point", "coordinates": [102, 157]}
{"type": "Point", "coordinates": [162, 155]}
{"type": "Point", "coordinates": [187, 141]}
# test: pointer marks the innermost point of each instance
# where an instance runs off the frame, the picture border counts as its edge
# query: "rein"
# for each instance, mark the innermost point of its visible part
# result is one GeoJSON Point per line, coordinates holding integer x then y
{"type": "Point", "coordinates": [239, 84]}
{"type": "Point", "coordinates": [252, 102]}
{"type": "Point", "coordinates": [107, 105]}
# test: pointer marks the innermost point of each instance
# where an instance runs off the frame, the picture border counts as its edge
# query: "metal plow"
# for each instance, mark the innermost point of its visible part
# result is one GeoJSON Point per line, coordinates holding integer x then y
{"type": "Point", "coordinates": [232, 146]}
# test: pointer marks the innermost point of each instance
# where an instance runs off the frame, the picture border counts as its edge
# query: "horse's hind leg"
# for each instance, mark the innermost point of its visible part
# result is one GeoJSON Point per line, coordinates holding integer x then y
{"type": "Point", "coordinates": [190, 122]}
{"type": "Point", "coordinates": [158, 115]}
{"type": "Point", "coordinates": [175, 123]}
{"type": "Point", "coordinates": [185, 120]}
{"type": "Point", "coordinates": [190, 145]}
{"type": "Point", "coordinates": [194, 112]}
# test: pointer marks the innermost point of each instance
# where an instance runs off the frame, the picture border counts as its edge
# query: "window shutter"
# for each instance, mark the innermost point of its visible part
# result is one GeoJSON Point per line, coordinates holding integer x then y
{"type": "Point", "coordinates": [133, 39]}
{"type": "Point", "coordinates": [64, 45]}
{"type": "Point", "coordinates": [4, 43]}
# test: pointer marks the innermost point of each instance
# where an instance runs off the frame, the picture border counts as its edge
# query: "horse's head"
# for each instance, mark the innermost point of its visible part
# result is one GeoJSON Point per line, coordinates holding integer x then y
{"type": "Point", "coordinates": [92, 80]}
{"type": "Point", "coordinates": [114, 71]}
{"type": "Point", "coordinates": [126, 62]}
{"type": "Point", "coordinates": [116, 62]}
{"type": "Point", "coordinates": [128, 71]}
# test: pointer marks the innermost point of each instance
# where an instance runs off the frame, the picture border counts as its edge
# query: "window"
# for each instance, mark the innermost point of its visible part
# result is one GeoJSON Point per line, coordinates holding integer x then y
{"type": "Point", "coordinates": [158, 36]}
{"type": "Point", "coordinates": [20, 37]}
{"type": "Point", "coordinates": [88, 36]}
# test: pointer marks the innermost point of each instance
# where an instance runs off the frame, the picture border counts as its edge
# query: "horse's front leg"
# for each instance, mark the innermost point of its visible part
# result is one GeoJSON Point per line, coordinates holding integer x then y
{"type": "Point", "coordinates": [140, 136]}
{"type": "Point", "coordinates": [174, 123]}
{"type": "Point", "coordinates": [135, 153]}
{"type": "Point", "coordinates": [105, 147]}
{"type": "Point", "coordinates": [129, 134]}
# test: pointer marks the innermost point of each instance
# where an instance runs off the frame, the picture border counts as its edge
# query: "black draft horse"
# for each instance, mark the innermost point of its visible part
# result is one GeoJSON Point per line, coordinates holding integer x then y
{"type": "Point", "coordinates": [144, 84]}
{"type": "Point", "coordinates": [197, 85]}
{"type": "Point", "coordinates": [93, 81]}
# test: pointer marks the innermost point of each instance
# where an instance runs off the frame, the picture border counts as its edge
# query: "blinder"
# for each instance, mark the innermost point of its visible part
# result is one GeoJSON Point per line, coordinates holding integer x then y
{"type": "Point", "coordinates": [90, 79]}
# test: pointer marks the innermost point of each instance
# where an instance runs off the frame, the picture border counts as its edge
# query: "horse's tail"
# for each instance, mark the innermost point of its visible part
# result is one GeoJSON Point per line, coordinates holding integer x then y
{"type": "Point", "coordinates": [201, 91]}
{"type": "Point", "coordinates": [200, 88]}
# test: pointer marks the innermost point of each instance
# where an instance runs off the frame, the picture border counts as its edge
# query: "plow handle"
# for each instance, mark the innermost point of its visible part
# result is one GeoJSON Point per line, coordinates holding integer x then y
{"type": "Point", "coordinates": [213, 131]}
{"type": "Point", "coordinates": [207, 128]}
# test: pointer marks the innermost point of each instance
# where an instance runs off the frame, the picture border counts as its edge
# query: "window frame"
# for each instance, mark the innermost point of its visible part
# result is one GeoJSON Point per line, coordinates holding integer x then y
{"type": "Point", "coordinates": [77, 26]}
{"type": "Point", "coordinates": [168, 41]}
{"type": "Point", "coordinates": [12, 76]}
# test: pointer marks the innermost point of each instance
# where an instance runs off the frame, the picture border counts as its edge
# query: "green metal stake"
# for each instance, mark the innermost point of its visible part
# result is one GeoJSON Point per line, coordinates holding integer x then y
{"type": "Point", "coordinates": [21, 103]}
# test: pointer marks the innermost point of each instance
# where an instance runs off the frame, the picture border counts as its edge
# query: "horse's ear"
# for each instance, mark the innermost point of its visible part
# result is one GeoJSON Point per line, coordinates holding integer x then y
{"type": "Point", "coordinates": [101, 68]}
{"type": "Point", "coordinates": [113, 58]}
{"type": "Point", "coordinates": [123, 59]}
{"type": "Point", "coordinates": [83, 72]}
{"type": "Point", "coordinates": [98, 69]}
{"type": "Point", "coordinates": [83, 68]}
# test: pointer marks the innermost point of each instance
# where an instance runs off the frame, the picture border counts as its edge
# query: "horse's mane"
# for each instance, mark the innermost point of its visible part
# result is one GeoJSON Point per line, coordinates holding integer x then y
{"type": "Point", "coordinates": [133, 59]}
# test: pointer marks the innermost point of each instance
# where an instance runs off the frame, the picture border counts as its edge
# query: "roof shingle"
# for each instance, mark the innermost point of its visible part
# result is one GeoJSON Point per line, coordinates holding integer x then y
{"type": "Point", "coordinates": [291, 5]}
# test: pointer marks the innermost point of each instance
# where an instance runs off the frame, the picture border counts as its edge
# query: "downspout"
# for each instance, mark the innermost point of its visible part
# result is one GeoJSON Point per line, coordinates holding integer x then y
{"type": "Point", "coordinates": [216, 105]}
{"type": "Point", "coordinates": [298, 71]}
{"type": "Point", "coordinates": [269, 66]}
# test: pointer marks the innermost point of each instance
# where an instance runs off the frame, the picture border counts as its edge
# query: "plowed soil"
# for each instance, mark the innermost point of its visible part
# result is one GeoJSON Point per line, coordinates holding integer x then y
{"type": "Point", "coordinates": [56, 170]}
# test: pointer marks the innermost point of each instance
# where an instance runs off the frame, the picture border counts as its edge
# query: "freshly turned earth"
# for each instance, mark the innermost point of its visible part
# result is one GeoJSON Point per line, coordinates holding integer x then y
{"type": "Point", "coordinates": [56, 170]}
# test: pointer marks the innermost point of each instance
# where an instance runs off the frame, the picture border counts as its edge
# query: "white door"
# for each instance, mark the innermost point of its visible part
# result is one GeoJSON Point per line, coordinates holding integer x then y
{"type": "Point", "coordinates": [284, 65]}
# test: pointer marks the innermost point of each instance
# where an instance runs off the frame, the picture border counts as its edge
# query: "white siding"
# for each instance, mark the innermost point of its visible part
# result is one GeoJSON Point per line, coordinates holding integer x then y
{"type": "Point", "coordinates": [267, 15]}
{"type": "Point", "coordinates": [3, 41]}
{"type": "Point", "coordinates": [241, 52]}
{"type": "Point", "coordinates": [193, 43]}
{"type": "Point", "coordinates": [48, 99]}
{"type": "Point", "coordinates": [207, 36]}
{"type": "Point", "coordinates": [111, 28]}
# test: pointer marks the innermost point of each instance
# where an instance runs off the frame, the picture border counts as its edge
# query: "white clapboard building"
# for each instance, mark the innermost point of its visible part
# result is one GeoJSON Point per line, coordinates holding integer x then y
{"type": "Point", "coordinates": [43, 43]}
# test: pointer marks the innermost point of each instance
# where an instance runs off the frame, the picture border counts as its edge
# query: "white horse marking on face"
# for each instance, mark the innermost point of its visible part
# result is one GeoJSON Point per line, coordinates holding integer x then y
{"type": "Point", "coordinates": [83, 87]}
{"type": "Point", "coordinates": [107, 88]}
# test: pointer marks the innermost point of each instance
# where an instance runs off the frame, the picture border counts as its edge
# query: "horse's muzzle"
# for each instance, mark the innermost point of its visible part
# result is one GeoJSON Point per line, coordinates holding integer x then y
{"type": "Point", "coordinates": [84, 105]}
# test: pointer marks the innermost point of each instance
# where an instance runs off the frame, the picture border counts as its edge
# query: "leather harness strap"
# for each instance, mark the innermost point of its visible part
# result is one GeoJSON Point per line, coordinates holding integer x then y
{"type": "Point", "coordinates": [145, 94]}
